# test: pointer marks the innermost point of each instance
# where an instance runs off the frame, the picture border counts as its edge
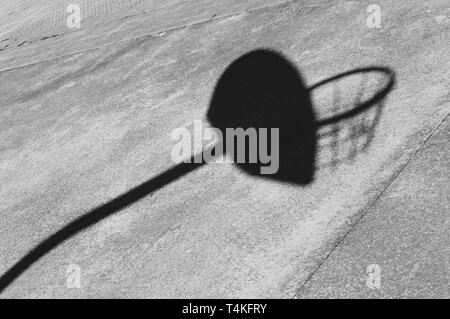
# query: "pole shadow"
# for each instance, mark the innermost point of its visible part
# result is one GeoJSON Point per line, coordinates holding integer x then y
{"type": "Point", "coordinates": [261, 89]}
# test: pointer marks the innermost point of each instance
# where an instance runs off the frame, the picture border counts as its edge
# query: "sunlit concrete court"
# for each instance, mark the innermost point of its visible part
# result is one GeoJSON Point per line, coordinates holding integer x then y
{"type": "Point", "coordinates": [92, 204]}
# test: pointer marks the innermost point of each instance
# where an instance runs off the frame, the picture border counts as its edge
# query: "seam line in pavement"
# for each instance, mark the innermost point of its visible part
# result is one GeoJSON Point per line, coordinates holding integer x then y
{"type": "Point", "coordinates": [366, 211]}
{"type": "Point", "coordinates": [214, 18]}
{"type": "Point", "coordinates": [151, 35]}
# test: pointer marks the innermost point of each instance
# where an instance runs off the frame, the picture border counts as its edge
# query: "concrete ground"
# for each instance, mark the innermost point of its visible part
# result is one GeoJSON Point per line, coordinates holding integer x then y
{"type": "Point", "coordinates": [87, 115]}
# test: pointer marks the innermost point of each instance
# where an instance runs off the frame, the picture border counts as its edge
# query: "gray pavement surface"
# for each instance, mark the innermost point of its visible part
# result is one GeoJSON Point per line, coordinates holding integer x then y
{"type": "Point", "coordinates": [87, 115]}
{"type": "Point", "coordinates": [405, 233]}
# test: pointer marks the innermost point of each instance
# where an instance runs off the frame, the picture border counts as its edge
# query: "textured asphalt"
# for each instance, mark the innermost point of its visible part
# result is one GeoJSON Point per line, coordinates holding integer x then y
{"type": "Point", "coordinates": [24, 18]}
{"type": "Point", "coordinates": [87, 115]}
{"type": "Point", "coordinates": [405, 233]}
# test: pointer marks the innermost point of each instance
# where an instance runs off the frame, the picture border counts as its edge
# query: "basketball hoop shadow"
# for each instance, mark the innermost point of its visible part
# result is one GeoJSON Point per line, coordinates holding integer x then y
{"type": "Point", "coordinates": [262, 89]}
